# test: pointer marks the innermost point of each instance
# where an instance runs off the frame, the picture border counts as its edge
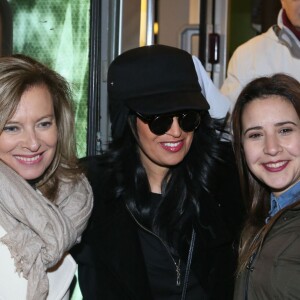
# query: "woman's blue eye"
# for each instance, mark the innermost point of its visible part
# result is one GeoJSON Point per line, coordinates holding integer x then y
{"type": "Point", "coordinates": [45, 124]}
{"type": "Point", "coordinates": [10, 128]}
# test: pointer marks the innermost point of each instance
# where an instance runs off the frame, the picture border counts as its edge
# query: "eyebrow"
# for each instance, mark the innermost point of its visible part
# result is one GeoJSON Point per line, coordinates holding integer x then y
{"type": "Point", "coordinates": [276, 125]}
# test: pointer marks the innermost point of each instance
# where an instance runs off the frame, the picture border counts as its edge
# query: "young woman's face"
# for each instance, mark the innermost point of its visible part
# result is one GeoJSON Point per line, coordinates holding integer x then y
{"type": "Point", "coordinates": [292, 8]}
{"type": "Point", "coordinates": [160, 152]}
{"type": "Point", "coordinates": [28, 140]}
{"type": "Point", "coordinates": [271, 141]}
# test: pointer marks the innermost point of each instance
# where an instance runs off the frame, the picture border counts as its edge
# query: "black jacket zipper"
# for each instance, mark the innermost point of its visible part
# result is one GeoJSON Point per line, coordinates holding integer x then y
{"type": "Point", "coordinates": [177, 265]}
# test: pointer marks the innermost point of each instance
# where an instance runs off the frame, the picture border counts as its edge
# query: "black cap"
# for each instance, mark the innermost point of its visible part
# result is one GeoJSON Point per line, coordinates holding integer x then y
{"type": "Point", "coordinates": [154, 80]}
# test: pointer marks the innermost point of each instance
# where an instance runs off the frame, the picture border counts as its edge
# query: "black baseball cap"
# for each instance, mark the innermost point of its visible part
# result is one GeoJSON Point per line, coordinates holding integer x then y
{"type": "Point", "coordinates": [154, 80]}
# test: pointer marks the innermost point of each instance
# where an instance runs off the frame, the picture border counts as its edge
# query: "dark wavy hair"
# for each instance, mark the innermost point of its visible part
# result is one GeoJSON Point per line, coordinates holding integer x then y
{"type": "Point", "coordinates": [183, 186]}
{"type": "Point", "coordinates": [255, 192]}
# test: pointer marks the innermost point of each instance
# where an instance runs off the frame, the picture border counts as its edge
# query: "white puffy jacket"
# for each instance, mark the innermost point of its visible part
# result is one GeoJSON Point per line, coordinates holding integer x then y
{"type": "Point", "coordinates": [262, 55]}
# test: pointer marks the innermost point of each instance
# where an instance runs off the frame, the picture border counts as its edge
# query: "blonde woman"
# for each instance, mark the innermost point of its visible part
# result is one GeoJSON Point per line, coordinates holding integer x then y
{"type": "Point", "coordinates": [45, 200]}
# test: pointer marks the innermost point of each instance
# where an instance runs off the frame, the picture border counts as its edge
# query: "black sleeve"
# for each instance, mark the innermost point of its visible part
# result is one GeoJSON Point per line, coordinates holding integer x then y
{"type": "Point", "coordinates": [229, 196]}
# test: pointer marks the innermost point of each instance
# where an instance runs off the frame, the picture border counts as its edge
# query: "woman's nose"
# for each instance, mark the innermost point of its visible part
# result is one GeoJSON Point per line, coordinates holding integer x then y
{"type": "Point", "coordinates": [31, 141]}
{"type": "Point", "coordinates": [175, 129]}
{"type": "Point", "coordinates": [272, 145]}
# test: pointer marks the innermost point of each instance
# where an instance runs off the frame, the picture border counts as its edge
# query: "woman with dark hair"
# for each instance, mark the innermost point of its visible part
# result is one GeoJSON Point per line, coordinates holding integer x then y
{"type": "Point", "coordinates": [167, 208]}
{"type": "Point", "coordinates": [266, 127]}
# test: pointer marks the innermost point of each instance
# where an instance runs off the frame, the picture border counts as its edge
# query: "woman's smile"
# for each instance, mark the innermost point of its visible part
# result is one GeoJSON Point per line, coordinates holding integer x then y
{"type": "Point", "coordinates": [172, 146]}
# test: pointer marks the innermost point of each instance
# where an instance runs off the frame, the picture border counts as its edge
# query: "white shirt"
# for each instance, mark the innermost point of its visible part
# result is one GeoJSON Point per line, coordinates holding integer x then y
{"type": "Point", "coordinates": [219, 104]}
{"type": "Point", "coordinates": [14, 287]}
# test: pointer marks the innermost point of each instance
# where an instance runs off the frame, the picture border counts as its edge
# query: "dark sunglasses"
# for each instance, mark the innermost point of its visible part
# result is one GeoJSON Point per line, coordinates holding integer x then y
{"type": "Point", "coordinates": [160, 124]}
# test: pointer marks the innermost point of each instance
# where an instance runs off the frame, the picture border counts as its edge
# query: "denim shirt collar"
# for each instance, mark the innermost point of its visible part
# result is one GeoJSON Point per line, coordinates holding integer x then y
{"type": "Point", "coordinates": [287, 198]}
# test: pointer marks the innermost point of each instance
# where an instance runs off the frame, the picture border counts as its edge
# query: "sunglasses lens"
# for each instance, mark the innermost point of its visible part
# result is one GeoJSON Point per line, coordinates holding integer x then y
{"type": "Point", "coordinates": [161, 124]}
{"type": "Point", "coordinates": [190, 121]}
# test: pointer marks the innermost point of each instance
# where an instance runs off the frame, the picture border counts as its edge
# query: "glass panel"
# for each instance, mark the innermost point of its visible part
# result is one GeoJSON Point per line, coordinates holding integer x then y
{"type": "Point", "coordinates": [173, 17]}
{"type": "Point", "coordinates": [131, 24]}
{"type": "Point", "coordinates": [57, 34]}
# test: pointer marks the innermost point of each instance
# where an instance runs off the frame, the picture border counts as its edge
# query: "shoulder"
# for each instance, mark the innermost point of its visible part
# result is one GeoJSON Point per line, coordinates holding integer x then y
{"type": "Point", "coordinates": [79, 184]}
{"type": "Point", "coordinates": [256, 44]}
{"type": "Point", "coordinates": [94, 166]}
{"type": "Point", "coordinates": [75, 198]}
{"type": "Point", "coordinates": [249, 60]}
{"type": "Point", "coordinates": [102, 177]}
{"type": "Point", "coordinates": [227, 180]}
{"type": "Point", "coordinates": [100, 174]}
{"type": "Point", "coordinates": [289, 219]}
{"type": "Point", "coordinates": [227, 192]}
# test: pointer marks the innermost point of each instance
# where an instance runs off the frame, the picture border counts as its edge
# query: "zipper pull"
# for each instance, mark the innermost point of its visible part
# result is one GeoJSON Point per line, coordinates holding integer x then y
{"type": "Point", "coordinates": [178, 281]}
{"type": "Point", "coordinates": [249, 265]}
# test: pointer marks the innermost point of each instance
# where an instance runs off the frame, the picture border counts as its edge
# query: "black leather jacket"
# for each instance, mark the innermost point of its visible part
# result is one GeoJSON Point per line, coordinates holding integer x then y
{"type": "Point", "coordinates": [110, 258]}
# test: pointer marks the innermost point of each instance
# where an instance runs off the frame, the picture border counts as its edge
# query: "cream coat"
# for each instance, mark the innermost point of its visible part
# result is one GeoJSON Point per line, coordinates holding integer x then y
{"type": "Point", "coordinates": [14, 287]}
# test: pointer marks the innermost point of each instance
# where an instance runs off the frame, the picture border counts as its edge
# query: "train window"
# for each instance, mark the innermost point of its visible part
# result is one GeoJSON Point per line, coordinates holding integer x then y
{"type": "Point", "coordinates": [57, 34]}
{"type": "Point", "coordinates": [5, 28]}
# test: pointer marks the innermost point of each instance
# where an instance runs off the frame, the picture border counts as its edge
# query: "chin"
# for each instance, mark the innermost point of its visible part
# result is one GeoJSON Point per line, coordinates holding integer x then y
{"type": "Point", "coordinates": [174, 162]}
{"type": "Point", "coordinates": [31, 175]}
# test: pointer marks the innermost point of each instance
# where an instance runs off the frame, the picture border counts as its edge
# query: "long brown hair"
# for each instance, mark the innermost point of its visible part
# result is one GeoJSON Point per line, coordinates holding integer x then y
{"type": "Point", "coordinates": [17, 74]}
{"type": "Point", "coordinates": [256, 193]}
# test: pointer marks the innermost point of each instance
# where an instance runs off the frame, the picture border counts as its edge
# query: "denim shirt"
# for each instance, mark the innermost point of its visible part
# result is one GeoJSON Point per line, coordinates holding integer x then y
{"type": "Point", "coordinates": [287, 198]}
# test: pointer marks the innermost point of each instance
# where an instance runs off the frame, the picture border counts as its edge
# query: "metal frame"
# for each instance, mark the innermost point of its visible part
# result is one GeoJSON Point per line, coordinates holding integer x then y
{"type": "Point", "coordinates": [150, 22]}
{"type": "Point", "coordinates": [105, 44]}
{"type": "Point", "coordinates": [186, 36]}
{"type": "Point", "coordinates": [94, 77]}
{"type": "Point", "coordinates": [218, 23]}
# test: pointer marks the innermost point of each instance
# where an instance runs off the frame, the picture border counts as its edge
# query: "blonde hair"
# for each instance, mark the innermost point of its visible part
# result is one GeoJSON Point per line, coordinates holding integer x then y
{"type": "Point", "coordinates": [17, 74]}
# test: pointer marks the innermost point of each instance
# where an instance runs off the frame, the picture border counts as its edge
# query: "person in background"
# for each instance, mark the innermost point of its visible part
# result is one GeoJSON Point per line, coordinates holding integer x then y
{"type": "Point", "coordinates": [276, 50]}
{"type": "Point", "coordinates": [219, 105]}
{"type": "Point", "coordinates": [266, 137]}
{"type": "Point", "coordinates": [167, 200]}
{"type": "Point", "coordinates": [45, 199]}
